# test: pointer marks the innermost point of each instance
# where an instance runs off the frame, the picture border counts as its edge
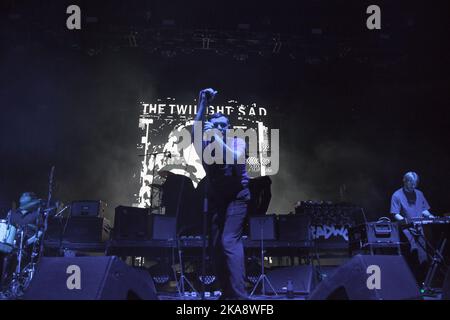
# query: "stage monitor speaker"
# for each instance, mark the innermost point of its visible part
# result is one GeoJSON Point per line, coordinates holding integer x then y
{"type": "Point", "coordinates": [350, 281]}
{"type": "Point", "coordinates": [89, 278]}
{"type": "Point", "coordinates": [302, 277]}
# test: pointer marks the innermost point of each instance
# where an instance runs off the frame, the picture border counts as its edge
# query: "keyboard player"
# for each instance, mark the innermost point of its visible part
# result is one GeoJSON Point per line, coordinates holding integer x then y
{"type": "Point", "coordinates": [409, 203]}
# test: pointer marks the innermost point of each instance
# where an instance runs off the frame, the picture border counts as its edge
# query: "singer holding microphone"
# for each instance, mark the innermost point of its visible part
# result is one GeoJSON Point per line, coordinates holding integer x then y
{"type": "Point", "coordinates": [227, 197]}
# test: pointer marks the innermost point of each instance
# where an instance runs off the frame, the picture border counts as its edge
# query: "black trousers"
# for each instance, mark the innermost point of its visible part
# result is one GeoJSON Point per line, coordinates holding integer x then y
{"type": "Point", "coordinates": [227, 224]}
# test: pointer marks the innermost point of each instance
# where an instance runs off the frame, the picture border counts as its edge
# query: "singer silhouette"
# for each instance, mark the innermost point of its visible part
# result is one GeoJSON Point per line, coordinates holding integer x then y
{"type": "Point", "coordinates": [228, 197]}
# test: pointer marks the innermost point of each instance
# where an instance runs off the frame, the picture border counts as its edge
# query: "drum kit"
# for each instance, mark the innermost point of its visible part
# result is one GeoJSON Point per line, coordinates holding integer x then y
{"type": "Point", "coordinates": [13, 247]}
{"type": "Point", "coordinates": [17, 245]}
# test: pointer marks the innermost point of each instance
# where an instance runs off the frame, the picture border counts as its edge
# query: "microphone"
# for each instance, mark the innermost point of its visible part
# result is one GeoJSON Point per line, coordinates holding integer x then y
{"type": "Point", "coordinates": [62, 210]}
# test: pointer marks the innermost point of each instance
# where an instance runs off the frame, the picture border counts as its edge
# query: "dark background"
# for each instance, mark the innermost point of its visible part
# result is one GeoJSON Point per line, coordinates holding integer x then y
{"type": "Point", "coordinates": [354, 107]}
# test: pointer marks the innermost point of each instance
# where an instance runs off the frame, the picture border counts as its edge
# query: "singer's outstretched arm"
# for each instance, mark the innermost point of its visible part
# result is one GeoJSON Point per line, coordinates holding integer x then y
{"type": "Point", "coordinates": [204, 98]}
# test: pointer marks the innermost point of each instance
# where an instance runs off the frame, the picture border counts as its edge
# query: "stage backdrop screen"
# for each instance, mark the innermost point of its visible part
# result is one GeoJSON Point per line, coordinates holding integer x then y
{"type": "Point", "coordinates": [158, 149]}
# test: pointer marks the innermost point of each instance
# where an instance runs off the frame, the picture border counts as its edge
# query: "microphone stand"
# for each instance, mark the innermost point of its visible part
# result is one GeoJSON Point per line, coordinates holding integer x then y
{"type": "Point", "coordinates": [204, 219]}
{"type": "Point", "coordinates": [205, 212]}
{"type": "Point", "coordinates": [63, 231]}
{"type": "Point", "coordinates": [204, 230]}
{"type": "Point", "coordinates": [46, 214]}
{"type": "Point", "coordinates": [183, 280]}
{"type": "Point", "coordinates": [434, 254]}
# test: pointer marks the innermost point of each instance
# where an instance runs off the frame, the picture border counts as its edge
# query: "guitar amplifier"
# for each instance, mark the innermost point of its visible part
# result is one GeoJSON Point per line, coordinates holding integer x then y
{"type": "Point", "coordinates": [88, 208]}
{"type": "Point", "coordinates": [132, 223]}
{"type": "Point", "coordinates": [163, 228]}
{"type": "Point", "coordinates": [263, 227]}
{"type": "Point", "coordinates": [294, 227]}
{"type": "Point", "coordinates": [77, 229]}
{"type": "Point", "coordinates": [374, 234]}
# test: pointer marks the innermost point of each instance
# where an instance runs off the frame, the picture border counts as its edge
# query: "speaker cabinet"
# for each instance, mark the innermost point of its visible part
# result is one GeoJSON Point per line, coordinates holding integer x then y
{"type": "Point", "coordinates": [163, 228]}
{"type": "Point", "coordinates": [350, 281]}
{"type": "Point", "coordinates": [294, 227]}
{"type": "Point", "coordinates": [87, 208]}
{"type": "Point", "coordinates": [302, 278]}
{"type": "Point", "coordinates": [89, 278]}
{"type": "Point", "coordinates": [77, 229]}
{"type": "Point", "coordinates": [263, 227]}
{"type": "Point", "coordinates": [131, 223]}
